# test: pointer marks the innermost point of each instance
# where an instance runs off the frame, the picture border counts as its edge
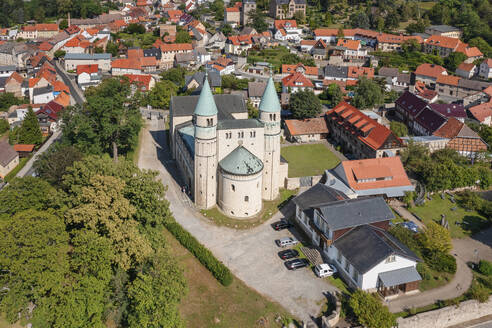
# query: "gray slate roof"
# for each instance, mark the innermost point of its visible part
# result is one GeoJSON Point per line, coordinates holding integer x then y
{"type": "Point", "coordinates": [355, 212]}
{"type": "Point", "coordinates": [214, 79]}
{"type": "Point", "coordinates": [7, 153]}
{"type": "Point", "coordinates": [443, 28]}
{"type": "Point", "coordinates": [226, 105]}
{"type": "Point", "coordinates": [388, 71]}
{"type": "Point", "coordinates": [241, 162]}
{"type": "Point", "coordinates": [336, 71]}
{"type": "Point", "coordinates": [185, 57]}
{"type": "Point", "coordinates": [318, 195]}
{"type": "Point", "coordinates": [43, 90]}
{"type": "Point", "coordinates": [366, 246]}
{"type": "Point", "coordinates": [256, 89]}
{"type": "Point", "coordinates": [251, 123]}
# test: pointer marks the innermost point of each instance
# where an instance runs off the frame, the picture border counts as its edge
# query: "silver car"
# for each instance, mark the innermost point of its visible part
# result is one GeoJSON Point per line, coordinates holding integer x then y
{"type": "Point", "coordinates": [286, 241]}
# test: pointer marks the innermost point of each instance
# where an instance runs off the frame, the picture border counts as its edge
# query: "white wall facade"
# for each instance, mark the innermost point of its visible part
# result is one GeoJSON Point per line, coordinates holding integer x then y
{"type": "Point", "coordinates": [240, 196]}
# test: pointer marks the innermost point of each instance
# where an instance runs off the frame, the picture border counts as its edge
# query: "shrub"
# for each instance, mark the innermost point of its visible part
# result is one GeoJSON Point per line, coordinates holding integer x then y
{"type": "Point", "coordinates": [370, 312]}
{"type": "Point", "coordinates": [479, 293]}
{"type": "Point", "coordinates": [485, 267]}
{"type": "Point", "coordinates": [441, 262]}
{"type": "Point", "coordinates": [205, 256]}
{"type": "Point", "coordinates": [424, 271]}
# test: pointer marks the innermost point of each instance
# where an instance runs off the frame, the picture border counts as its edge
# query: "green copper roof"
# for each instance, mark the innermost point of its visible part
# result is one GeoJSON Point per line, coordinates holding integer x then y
{"type": "Point", "coordinates": [269, 100]}
{"type": "Point", "coordinates": [241, 162]}
{"type": "Point", "coordinates": [206, 103]}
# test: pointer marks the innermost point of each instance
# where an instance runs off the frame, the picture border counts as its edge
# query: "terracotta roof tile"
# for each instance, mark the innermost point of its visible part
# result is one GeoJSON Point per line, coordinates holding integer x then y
{"type": "Point", "coordinates": [307, 126]}
{"type": "Point", "coordinates": [448, 80]}
{"type": "Point", "coordinates": [297, 79]}
{"type": "Point", "coordinates": [431, 70]}
{"type": "Point", "coordinates": [23, 148]}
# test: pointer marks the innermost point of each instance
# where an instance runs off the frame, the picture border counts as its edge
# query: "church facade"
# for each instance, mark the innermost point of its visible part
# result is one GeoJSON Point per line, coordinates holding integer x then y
{"type": "Point", "coordinates": [225, 158]}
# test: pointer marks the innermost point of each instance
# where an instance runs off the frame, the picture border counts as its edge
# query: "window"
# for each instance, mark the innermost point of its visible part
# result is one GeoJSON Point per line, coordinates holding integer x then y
{"type": "Point", "coordinates": [339, 257]}
{"type": "Point", "coordinates": [391, 259]}
{"type": "Point", "coordinates": [246, 198]}
{"type": "Point", "coordinates": [355, 276]}
{"type": "Point", "coordinates": [233, 187]}
{"type": "Point", "coordinates": [347, 266]}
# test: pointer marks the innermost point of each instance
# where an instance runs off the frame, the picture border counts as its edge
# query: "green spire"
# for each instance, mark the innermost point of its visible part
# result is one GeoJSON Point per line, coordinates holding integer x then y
{"type": "Point", "coordinates": [206, 103]}
{"type": "Point", "coordinates": [269, 100]}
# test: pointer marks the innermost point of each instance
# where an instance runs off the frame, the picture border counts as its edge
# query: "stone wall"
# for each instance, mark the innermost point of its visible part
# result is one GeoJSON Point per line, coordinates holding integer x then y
{"type": "Point", "coordinates": [334, 317]}
{"type": "Point", "coordinates": [448, 316]}
{"type": "Point", "coordinates": [294, 183]}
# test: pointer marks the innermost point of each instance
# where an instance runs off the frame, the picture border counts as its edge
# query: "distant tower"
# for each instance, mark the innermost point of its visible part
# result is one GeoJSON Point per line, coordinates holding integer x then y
{"type": "Point", "coordinates": [205, 123]}
{"type": "Point", "coordinates": [249, 6]}
{"type": "Point", "coordinates": [270, 117]}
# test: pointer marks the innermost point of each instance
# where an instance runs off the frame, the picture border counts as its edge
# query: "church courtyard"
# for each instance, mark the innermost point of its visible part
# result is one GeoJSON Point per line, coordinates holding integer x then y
{"type": "Point", "coordinates": [308, 159]}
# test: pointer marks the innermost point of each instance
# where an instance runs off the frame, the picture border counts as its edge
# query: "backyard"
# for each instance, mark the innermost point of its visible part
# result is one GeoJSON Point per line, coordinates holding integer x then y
{"type": "Point", "coordinates": [208, 303]}
{"type": "Point", "coordinates": [308, 160]}
{"type": "Point", "coordinates": [462, 223]}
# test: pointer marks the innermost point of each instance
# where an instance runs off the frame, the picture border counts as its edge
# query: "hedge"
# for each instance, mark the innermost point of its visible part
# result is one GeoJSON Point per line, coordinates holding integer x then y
{"type": "Point", "coordinates": [205, 256]}
{"type": "Point", "coordinates": [485, 267]}
{"type": "Point", "coordinates": [441, 262]}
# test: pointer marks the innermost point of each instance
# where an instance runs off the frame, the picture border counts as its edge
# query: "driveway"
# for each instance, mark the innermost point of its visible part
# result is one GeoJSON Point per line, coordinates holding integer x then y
{"type": "Point", "coordinates": [250, 254]}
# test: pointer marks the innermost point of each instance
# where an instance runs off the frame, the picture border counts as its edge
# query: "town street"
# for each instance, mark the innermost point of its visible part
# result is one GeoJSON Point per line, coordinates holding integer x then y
{"type": "Point", "coordinates": [250, 254]}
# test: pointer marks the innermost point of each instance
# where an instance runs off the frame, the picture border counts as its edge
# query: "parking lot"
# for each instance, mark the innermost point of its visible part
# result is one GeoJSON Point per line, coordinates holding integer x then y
{"type": "Point", "coordinates": [250, 254]}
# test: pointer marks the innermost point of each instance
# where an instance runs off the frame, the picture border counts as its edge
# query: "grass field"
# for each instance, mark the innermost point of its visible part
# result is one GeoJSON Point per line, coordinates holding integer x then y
{"type": "Point", "coordinates": [209, 304]}
{"type": "Point", "coordinates": [469, 222]}
{"type": "Point", "coordinates": [307, 160]}
{"type": "Point", "coordinates": [268, 210]}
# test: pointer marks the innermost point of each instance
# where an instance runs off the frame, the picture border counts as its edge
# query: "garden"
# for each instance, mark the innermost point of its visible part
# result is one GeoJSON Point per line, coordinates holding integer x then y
{"type": "Point", "coordinates": [309, 159]}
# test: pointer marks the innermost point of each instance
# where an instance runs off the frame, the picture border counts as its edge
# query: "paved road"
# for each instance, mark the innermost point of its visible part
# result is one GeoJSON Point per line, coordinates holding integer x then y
{"type": "Point", "coordinates": [250, 254]}
{"type": "Point", "coordinates": [75, 91]}
{"type": "Point", "coordinates": [458, 285]}
{"type": "Point", "coordinates": [27, 169]}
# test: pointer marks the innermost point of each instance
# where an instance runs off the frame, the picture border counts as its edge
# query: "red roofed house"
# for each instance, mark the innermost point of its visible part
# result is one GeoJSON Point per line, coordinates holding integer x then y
{"type": "Point", "coordinates": [174, 15]}
{"type": "Point", "coordinates": [486, 69]}
{"type": "Point", "coordinates": [237, 44]}
{"type": "Point", "coordinates": [310, 72]}
{"type": "Point", "coordinates": [38, 31]}
{"type": "Point", "coordinates": [447, 85]}
{"type": "Point", "coordinates": [350, 49]}
{"type": "Point", "coordinates": [14, 85]}
{"type": "Point", "coordinates": [78, 45]}
{"type": "Point", "coordinates": [221, 65]}
{"type": "Point", "coordinates": [144, 82]}
{"type": "Point", "coordinates": [329, 35]}
{"type": "Point", "coordinates": [307, 130]}
{"type": "Point", "coordinates": [356, 72]}
{"type": "Point", "coordinates": [88, 75]}
{"type": "Point", "coordinates": [361, 135]}
{"type": "Point", "coordinates": [371, 177]}
{"type": "Point", "coordinates": [466, 70]}
{"type": "Point", "coordinates": [232, 15]}
{"type": "Point", "coordinates": [136, 63]}
{"type": "Point", "coordinates": [444, 46]}
{"type": "Point", "coordinates": [482, 113]}
{"type": "Point", "coordinates": [48, 117]}
{"type": "Point", "coordinates": [462, 139]}
{"type": "Point", "coordinates": [428, 73]}
{"type": "Point", "coordinates": [391, 42]}
{"type": "Point", "coordinates": [287, 30]}
{"type": "Point", "coordinates": [296, 82]}
{"type": "Point", "coordinates": [169, 52]}
{"type": "Point", "coordinates": [24, 150]}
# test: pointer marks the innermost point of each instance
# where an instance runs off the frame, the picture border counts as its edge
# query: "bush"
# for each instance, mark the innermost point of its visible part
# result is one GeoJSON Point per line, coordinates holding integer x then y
{"type": "Point", "coordinates": [485, 267]}
{"type": "Point", "coordinates": [205, 256]}
{"type": "Point", "coordinates": [479, 293]}
{"type": "Point", "coordinates": [441, 262]}
{"type": "Point", "coordinates": [424, 271]}
{"type": "Point", "coordinates": [370, 312]}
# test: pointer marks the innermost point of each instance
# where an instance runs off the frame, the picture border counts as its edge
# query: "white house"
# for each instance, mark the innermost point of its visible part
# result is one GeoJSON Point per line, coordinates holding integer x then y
{"type": "Point", "coordinates": [43, 95]}
{"type": "Point", "coordinates": [486, 69]}
{"type": "Point", "coordinates": [287, 30]}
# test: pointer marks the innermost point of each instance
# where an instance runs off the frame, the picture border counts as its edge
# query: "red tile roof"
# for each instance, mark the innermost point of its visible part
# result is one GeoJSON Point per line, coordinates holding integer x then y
{"type": "Point", "coordinates": [448, 80]}
{"type": "Point", "coordinates": [307, 126]}
{"type": "Point", "coordinates": [309, 70]}
{"type": "Point", "coordinates": [466, 67]}
{"type": "Point", "coordinates": [443, 41]}
{"type": "Point", "coordinates": [358, 71]}
{"type": "Point", "coordinates": [41, 27]}
{"type": "Point", "coordinates": [232, 10]}
{"type": "Point", "coordinates": [24, 148]}
{"type": "Point", "coordinates": [386, 172]}
{"type": "Point", "coordinates": [349, 44]}
{"type": "Point", "coordinates": [90, 69]}
{"type": "Point", "coordinates": [142, 80]}
{"type": "Point", "coordinates": [15, 76]}
{"type": "Point", "coordinates": [325, 32]}
{"type": "Point", "coordinates": [481, 112]}
{"type": "Point", "coordinates": [285, 23]}
{"type": "Point", "coordinates": [176, 47]}
{"type": "Point", "coordinates": [45, 46]}
{"type": "Point", "coordinates": [430, 70]}
{"type": "Point", "coordinates": [297, 80]}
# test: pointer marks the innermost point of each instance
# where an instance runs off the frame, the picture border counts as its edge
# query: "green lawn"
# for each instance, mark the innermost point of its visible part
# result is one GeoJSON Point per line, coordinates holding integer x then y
{"type": "Point", "coordinates": [469, 222]}
{"type": "Point", "coordinates": [209, 304]}
{"type": "Point", "coordinates": [307, 160]}
{"type": "Point", "coordinates": [268, 210]}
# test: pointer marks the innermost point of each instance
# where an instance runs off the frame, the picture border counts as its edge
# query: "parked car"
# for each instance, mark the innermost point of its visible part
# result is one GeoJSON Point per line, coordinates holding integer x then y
{"type": "Point", "coordinates": [410, 226]}
{"type": "Point", "coordinates": [282, 224]}
{"type": "Point", "coordinates": [288, 254]}
{"type": "Point", "coordinates": [296, 264]}
{"type": "Point", "coordinates": [286, 241]}
{"type": "Point", "coordinates": [324, 270]}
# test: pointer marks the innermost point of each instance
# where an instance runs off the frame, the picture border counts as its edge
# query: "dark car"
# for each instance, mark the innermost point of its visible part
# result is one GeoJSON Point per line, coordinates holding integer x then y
{"type": "Point", "coordinates": [288, 254]}
{"type": "Point", "coordinates": [296, 264]}
{"type": "Point", "coordinates": [281, 225]}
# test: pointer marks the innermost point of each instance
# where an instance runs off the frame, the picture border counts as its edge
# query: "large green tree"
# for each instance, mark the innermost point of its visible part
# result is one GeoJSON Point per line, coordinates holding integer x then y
{"type": "Point", "coordinates": [29, 132]}
{"type": "Point", "coordinates": [304, 104]}
{"type": "Point", "coordinates": [160, 95]}
{"type": "Point", "coordinates": [399, 128]}
{"type": "Point", "coordinates": [258, 20]}
{"type": "Point", "coordinates": [53, 164]}
{"type": "Point", "coordinates": [109, 122]}
{"type": "Point", "coordinates": [367, 94]}
{"type": "Point", "coordinates": [332, 95]}
{"type": "Point", "coordinates": [370, 312]}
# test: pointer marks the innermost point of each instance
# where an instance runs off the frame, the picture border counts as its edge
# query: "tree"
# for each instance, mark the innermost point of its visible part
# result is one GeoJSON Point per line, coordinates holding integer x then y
{"type": "Point", "coordinates": [226, 29]}
{"type": "Point", "coordinates": [367, 94]}
{"type": "Point", "coordinates": [454, 59]}
{"type": "Point", "coordinates": [8, 99]}
{"type": "Point", "coordinates": [229, 81]}
{"type": "Point", "coordinates": [333, 95]}
{"type": "Point", "coordinates": [299, 17]}
{"type": "Point", "coordinates": [217, 8]}
{"type": "Point", "coordinates": [112, 48]}
{"type": "Point", "coordinates": [60, 53]}
{"type": "Point", "coordinates": [135, 28]}
{"type": "Point", "coordinates": [29, 132]}
{"type": "Point", "coordinates": [160, 95]}
{"type": "Point", "coordinates": [34, 254]}
{"type": "Point", "coordinates": [252, 110]}
{"type": "Point", "coordinates": [108, 122]}
{"type": "Point", "coordinates": [483, 45]}
{"type": "Point", "coordinates": [176, 75]}
{"type": "Point", "coordinates": [360, 19]}
{"type": "Point", "coordinates": [370, 312]}
{"type": "Point", "coordinates": [399, 129]}
{"type": "Point", "coordinates": [183, 37]}
{"type": "Point", "coordinates": [63, 24]}
{"type": "Point", "coordinates": [4, 125]}
{"type": "Point", "coordinates": [435, 238]}
{"type": "Point", "coordinates": [340, 34]}
{"type": "Point", "coordinates": [52, 165]}
{"type": "Point", "coordinates": [304, 104]}
{"type": "Point", "coordinates": [258, 20]}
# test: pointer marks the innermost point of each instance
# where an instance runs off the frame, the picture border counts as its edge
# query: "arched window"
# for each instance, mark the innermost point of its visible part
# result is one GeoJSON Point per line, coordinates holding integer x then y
{"type": "Point", "coordinates": [233, 187]}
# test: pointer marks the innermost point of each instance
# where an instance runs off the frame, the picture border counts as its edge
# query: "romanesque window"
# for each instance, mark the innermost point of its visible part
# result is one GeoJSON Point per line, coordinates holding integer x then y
{"type": "Point", "coordinates": [233, 187]}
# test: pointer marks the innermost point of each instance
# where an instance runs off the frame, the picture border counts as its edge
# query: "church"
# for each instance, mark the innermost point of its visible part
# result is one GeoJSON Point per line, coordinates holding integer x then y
{"type": "Point", "coordinates": [226, 158]}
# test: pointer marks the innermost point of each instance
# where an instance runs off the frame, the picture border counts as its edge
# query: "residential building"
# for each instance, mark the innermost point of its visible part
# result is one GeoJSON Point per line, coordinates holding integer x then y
{"type": "Point", "coordinates": [444, 46]}
{"type": "Point", "coordinates": [255, 92]}
{"type": "Point", "coordinates": [103, 61]}
{"type": "Point", "coordinates": [328, 35]}
{"type": "Point", "coordinates": [232, 16]}
{"type": "Point", "coordinates": [221, 65]}
{"type": "Point", "coordinates": [226, 159]}
{"type": "Point", "coordinates": [351, 49]}
{"type": "Point", "coordinates": [88, 75]}
{"type": "Point", "coordinates": [335, 73]}
{"type": "Point", "coordinates": [307, 130]}
{"type": "Point", "coordinates": [237, 44]}
{"type": "Point", "coordinates": [136, 63]}
{"type": "Point", "coordinates": [296, 82]}
{"type": "Point", "coordinates": [287, 30]}
{"type": "Point", "coordinates": [169, 52]}
{"type": "Point", "coordinates": [15, 84]}
{"type": "Point", "coordinates": [447, 85]}
{"type": "Point", "coordinates": [428, 73]}
{"type": "Point", "coordinates": [142, 82]}
{"type": "Point", "coordinates": [360, 135]}
{"type": "Point", "coordinates": [24, 150]}
{"type": "Point", "coordinates": [195, 81]}
{"type": "Point", "coordinates": [352, 234]}
{"type": "Point", "coordinates": [461, 138]}
{"type": "Point", "coordinates": [466, 70]}
{"type": "Point", "coordinates": [450, 110]}
{"type": "Point", "coordinates": [432, 143]}
{"type": "Point", "coordinates": [427, 122]}
{"type": "Point", "coordinates": [486, 69]}
{"type": "Point", "coordinates": [444, 30]}
{"type": "Point", "coordinates": [285, 9]}
{"type": "Point", "coordinates": [311, 72]}
{"type": "Point", "coordinates": [370, 177]}
{"type": "Point", "coordinates": [9, 158]}
{"type": "Point", "coordinates": [217, 41]}
{"type": "Point", "coordinates": [390, 42]}
{"type": "Point", "coordinates": [38, 31]}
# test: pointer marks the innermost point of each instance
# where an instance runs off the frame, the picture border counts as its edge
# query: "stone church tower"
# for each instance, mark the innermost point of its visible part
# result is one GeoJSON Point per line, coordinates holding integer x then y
{"type": "Point", "coordinates": [205, 126]}
{"type": "Point", "coordinates": [270, 116]}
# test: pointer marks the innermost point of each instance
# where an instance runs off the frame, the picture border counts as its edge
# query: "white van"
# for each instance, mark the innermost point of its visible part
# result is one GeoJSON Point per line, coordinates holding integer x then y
{"type": "Point", "coordinates": [324, 270]}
